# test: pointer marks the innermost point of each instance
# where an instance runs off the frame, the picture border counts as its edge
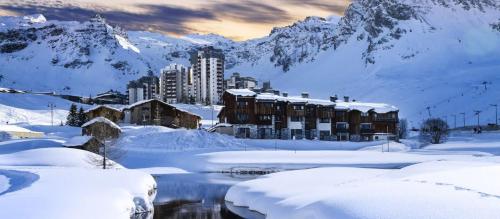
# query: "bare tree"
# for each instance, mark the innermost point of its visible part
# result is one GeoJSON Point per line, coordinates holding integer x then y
{"type": "Point", "coordinates": [403, 129]}
{"type": "Point", "coordinates": [434, 131]}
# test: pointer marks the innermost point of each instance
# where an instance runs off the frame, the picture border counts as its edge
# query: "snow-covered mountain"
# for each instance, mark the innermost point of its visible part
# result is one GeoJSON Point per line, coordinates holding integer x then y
{"type": "Point", "coordinates": [442, 54]}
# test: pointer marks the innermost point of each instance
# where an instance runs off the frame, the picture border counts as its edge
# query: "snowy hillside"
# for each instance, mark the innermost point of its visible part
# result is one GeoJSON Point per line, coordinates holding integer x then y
{"type": "Point", "coordinates": [413, 54]}
{"type": "Point", "coordinates": [66, 57]}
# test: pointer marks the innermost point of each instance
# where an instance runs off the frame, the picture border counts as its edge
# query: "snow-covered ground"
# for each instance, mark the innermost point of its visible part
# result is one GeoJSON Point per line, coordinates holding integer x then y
{"type": "Point", "coordinates": [318, 179]}
{"type": "Point", "coordinates": [57, 182]}
{"type": "Point", "coordinates": [439, 189]}
{"type": "Point", "coordinates": [33, 109]}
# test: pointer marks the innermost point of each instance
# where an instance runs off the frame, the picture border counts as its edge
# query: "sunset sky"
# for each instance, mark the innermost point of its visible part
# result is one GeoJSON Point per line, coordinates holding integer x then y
{"type": "Point", "coordinates": [238, 20]}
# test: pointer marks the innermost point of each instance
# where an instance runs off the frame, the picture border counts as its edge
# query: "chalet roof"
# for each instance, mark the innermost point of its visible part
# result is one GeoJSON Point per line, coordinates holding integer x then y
{"type": "Point", "coordinates": [365, 107]}
{"type": "Point", "coordinates": [293, 99]}
{"type": "Point", "coordinates": [360, 106]}
{"type": "Point", "coordinates": [103, 106]}
{"type": "Point", "coordinates": [241, 92]}
{"type": "Point", "coordinates": [146, 101]}
{"type": "Point", "coordinates": [77, 141]}
{"type": "Point", "coordinates": [101, 119]}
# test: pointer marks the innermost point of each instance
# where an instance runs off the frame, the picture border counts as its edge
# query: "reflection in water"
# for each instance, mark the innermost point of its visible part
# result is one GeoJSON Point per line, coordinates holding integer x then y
{"type": "Point", "coordinates": [197, 195]}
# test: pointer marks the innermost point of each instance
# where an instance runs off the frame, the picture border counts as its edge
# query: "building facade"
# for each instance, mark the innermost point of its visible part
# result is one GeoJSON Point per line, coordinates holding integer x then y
{"type": "Point", "coordinates": [236, 81]}
{"type": "Point", "coordinates": [175, 83]}
{"type": "Point", "coordinates": [208, 75]}
{"type": "Point", "coordinates": [145, 88]}
{"type": "Point", "coordinates": [267, 116]}
{"type": "Point", "coordinates": [157, 112]}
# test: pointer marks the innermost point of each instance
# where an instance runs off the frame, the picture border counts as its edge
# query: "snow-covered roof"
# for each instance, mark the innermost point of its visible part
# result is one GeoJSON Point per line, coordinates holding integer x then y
{"type": "Point", "coordinates": [77, 141]}
{"type": "Point", "coordinates": [241, 92]}
{"type": "Point", "coordinates": [182, 110]}
{"type": "Point", "coordinates": [14, 128]}
{"type": "Point", "coordinates": [99, 106]}
{"type": "Point", "coordinates": [365, 107]}
{"type": "Point", "coordinates": [360, 106]}
{"type": "Point", "coordinates": [101, 119]}
{"type": "Point", "coordinates": [293, 99]}
{"type": "Point", "coordinates": [145, 101]}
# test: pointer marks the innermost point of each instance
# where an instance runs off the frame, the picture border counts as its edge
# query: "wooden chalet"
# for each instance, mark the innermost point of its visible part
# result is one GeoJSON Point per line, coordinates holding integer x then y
{"type": "Point", "coordinates": [113, 114]}
{"type": "Point", "coordinates": [156, 112]}
{"type": "Point", "coordinates": [101, 128]}
{"type": "Point", "coordinates": [255, 115]}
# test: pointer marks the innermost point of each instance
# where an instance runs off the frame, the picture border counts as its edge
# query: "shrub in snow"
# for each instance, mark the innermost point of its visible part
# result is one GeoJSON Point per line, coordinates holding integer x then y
{"type": "Point", "coordinates": [434, 131]}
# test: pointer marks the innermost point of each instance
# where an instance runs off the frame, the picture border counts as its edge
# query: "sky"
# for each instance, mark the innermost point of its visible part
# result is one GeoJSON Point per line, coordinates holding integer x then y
{"type": "Point", "coordinates": [235, 19]}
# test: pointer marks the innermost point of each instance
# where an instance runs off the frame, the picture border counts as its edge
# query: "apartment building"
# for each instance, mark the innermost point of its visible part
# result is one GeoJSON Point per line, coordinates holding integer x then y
{"type": "Point", "coordinates": [267, 116]}
{"type": "Point", "coordinates": [208, 75]}
{"type": "Point", "coordinates": [145, 88]}
{"type": "Point", "coordinates": [236, 81]}
{"type": "Point", "coordinates": [175, 82]}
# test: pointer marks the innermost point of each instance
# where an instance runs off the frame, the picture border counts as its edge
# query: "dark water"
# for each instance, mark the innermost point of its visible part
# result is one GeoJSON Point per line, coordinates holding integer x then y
{"type": "Point", "coordinates": [198, 195]}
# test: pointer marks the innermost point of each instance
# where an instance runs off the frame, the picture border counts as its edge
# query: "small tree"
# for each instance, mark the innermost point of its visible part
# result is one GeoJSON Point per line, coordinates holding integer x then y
{"type": "Point", "coordinates": [82, 118]}
{"type": "Point", "coordinates": [403, 129]}
{"type": "Point", "coordinates": [72, 118]}
{"type": "Point", "coordinates": [434, 131]}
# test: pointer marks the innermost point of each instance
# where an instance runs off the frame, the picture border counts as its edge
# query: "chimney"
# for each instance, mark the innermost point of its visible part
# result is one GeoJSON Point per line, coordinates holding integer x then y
{"type": "Point", "coordinates": [304, 95]}
{"type": "Point", "coordinates": [334, 98]}
{"type": "Point", "coordinates": [285, 94]}
{"type": "Point", "coordinates": [346, 98]}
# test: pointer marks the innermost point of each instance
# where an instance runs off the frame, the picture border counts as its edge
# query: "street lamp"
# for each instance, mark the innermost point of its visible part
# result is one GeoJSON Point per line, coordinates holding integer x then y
{"type": "Point", "coordinates": [51, 106]}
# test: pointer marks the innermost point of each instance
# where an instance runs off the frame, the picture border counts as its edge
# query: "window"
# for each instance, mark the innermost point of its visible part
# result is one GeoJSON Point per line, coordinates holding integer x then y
{"type": "Point", "coordinates": [341, 125]}
{"type": "Point", "coordinates": [366, 126]}
{"type": "Point", "coordinates": [364, 114]}
{"type": "Point", "coordinates": [324, 120]}
{"type": "Point", "coordinates": [265, 117]}
{"type": "Point", "coordinates": [242, 103]}
{"type": "Point", "coordinates": [296, 118]}
{"type": "Point", "coordinates": [298, 107]}
{"type": "Point", "coordinates": [242, 117]}
{"type": "Point", "coordinates": [296, 132]}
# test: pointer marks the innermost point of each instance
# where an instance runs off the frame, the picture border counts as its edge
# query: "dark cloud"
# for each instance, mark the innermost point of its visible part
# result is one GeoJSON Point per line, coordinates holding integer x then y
{"type": "Point", "coordinates": [159, 17]}
{"type": "Point", "coordinates": [173, 19]}
{"type": "Point", "coordinates": [250, 11]}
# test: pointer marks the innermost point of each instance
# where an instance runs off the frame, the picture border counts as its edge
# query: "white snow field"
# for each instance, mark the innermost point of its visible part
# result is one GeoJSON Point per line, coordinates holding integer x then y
{"type": "Point", "coordinates": [33, 109]}
{"type": "Point", "coordinates": [56, 182]}
{"type": "Point", "coordinates": [317, 179]}
{"type": "Point", "coordinates": [439, 189]}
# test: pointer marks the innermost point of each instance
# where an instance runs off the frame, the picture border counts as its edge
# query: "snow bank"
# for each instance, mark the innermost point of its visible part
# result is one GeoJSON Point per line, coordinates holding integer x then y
{"type": "Point", "coordinates": [61, 157]}
{"type": "Point", "coordinates": [77, 141]}
{"type": "Point", "coordinates": [80, 193]}
{"type": "Point", "coordinates": [4, 183]}
{"type": "Point", "coordinates": [427, 190]}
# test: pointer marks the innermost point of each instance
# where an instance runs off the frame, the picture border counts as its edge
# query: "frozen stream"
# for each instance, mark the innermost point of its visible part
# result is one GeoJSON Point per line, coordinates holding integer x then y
{"type": "Point", "coordinates": [198, 195]}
